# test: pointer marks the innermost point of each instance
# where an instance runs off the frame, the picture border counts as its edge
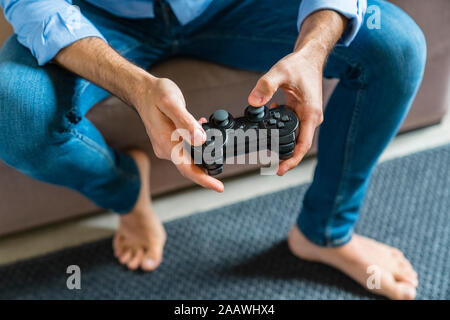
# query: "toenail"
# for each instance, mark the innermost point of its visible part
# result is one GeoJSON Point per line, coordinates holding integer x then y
{"type": "Point", "coordinates": [409, 293]}
{"type": "Point", "coordinates": [148, 263]}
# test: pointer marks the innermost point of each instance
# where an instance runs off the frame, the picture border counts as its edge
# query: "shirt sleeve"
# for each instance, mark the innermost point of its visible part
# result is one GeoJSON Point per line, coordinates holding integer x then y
{"type": "Point", "coordinates": [354, 10]}
{"type": "Point", "coordinates": [47, 26]}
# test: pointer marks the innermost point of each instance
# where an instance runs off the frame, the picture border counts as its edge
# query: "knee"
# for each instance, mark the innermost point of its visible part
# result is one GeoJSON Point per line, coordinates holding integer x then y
{"type": "Point", "coordinates": [409, 52]}
{"type": "Point", "coordinates": [26, 117]}
{"type": "Point", "coordinates": [397, 51]}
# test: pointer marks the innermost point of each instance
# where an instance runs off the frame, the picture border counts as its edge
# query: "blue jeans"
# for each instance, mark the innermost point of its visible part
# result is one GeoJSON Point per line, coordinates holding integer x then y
{"type": "Point", "coordinates": [44, 132]}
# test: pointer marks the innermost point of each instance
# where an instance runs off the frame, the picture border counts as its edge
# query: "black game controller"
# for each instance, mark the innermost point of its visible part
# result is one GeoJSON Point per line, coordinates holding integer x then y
{"type": "Point", "coordinates": [281, 118]}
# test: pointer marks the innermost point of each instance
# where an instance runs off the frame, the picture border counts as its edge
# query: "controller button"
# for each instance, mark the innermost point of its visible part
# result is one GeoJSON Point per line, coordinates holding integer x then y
{"type": "Point", "coordinates": [280, 125]}
{"type": "Point", "coordinates": [254, 110]}
{"type": "Point", "coordinates": [287, 155]}
{"type": "Point", "coordinates": [285, 118]}
{"type": "Point", "coordinates": [272, 121]}
{"type": "Point", "coordinates": [255, 114]}
{"type": "Point", "coordinates": [220, 118]}
{"type": "Point", "coordinates": [276, 115]}
{"type": "Point", "coordinates": [284, 148]}
{"type": "Point", "coordinates": [288, 138]}
{"type": "Point", "coordinates": [215, 170]}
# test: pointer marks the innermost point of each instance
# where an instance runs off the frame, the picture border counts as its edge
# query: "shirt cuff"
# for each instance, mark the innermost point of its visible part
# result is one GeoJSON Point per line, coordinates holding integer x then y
{"type": "Point", "coordinates": [57, 31]}
{"type": "Point", "coordinates": [354, 10]}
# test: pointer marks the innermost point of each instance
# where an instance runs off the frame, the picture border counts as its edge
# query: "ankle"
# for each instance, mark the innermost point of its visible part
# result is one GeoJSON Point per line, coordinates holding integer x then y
{"type": "Point", "coordinates": [301, 247]}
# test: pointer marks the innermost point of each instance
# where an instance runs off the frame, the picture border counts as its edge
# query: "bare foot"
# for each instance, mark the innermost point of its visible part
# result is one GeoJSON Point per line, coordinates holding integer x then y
{"type": "Point", "coordinates": [140, 239]}
{"type": "Point", "coordinates": [397, 280]}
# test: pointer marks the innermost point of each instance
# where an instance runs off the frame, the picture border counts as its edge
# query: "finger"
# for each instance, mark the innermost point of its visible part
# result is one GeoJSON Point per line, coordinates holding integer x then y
{"type": "Point", "coordinates": [304, 143]}
{"type": "Point", "coordinates": [265, 88]}
{"type": "Point", "coordinates": [199, 176]}
{"type": "Point", "coordinates": [174, 108]}
{"type": "Point", "coordinates": [273, 105]}
{"type": "Point", "coordinates": [202, 120]}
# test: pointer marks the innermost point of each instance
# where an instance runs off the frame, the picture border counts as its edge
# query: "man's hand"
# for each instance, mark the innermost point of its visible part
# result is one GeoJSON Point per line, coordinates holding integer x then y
{"type": "Point", "coordinates": [301, 82]}
{"type": "Point", "coordinates": [299, 75]}
{"type": "Point", "coordinates": [162, 108]}
{"type": "Point", "coordinates": [159, 102]}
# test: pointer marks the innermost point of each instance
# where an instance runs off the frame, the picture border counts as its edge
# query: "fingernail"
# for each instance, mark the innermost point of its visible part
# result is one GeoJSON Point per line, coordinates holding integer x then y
{"type": "Point", "coordinates": [149, 264]}
{"type": "Point", "coordinates": [199, 136]}
{"type": "Point", "coordinates": [258, 95]}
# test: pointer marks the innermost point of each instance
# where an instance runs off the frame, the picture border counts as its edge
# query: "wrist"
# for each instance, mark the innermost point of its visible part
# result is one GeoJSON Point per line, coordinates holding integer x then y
{"type": "Point", "coordinates": [139, 87]}
{"type": "Point", "coordinates": [313, 50]}
{"type": "Point", "coordinates": [319, 34]}
{"type": "Point", "coordinates": [313, 53]}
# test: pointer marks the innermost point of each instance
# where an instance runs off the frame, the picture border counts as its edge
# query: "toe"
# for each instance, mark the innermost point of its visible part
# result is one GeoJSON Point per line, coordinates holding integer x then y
{"type": "Point", "coordinates": [406, 274]}
{"type": "Point", "coordinates": [117, 248]}
{"type": "Point", "coordinates": [397, 290]}
{"type": "Point", "coordinates": [125, 256]}
{"type": "Point", "coordinates": [136, 260]}
{"type": "Point", "coordinates": [148, 264]}
{"type": "Point", "coordinates": [404, 271]}
{"type": "Point", "coordinates": [406, 266]}
{"type": "Point", "coordinates": [151, 260]}
{"type": "Point", "coordinates": [404, 291]}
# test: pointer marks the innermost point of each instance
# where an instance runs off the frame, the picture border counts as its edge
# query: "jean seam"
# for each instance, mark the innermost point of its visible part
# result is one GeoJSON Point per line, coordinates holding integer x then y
{"type": "Point", "coordinates": [91, 144]}
{"type": "Point", "coordinates": [341, 241]}
{"type": "Point", "coordinates": [346, 164]}
{"type": "Point", "coordinates": [96, 147]}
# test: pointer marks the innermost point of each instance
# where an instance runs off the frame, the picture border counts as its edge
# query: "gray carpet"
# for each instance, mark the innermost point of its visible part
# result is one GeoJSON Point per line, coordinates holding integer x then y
{"type": "Point", "coordinates": [239, 251]}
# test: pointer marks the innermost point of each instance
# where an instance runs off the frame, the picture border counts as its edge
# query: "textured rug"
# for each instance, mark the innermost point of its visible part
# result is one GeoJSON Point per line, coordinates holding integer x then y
{"type": "Point", "coordinates": [240, 252]}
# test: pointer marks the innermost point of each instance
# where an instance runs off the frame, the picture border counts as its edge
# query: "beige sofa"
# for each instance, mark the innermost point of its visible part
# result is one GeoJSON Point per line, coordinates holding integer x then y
{"type": "Point", "coordinates": [26, 203]}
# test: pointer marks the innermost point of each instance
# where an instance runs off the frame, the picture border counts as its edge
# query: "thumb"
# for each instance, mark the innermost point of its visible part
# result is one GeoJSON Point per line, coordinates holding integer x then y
{"type": "Point", "coordinates": [265, 88]}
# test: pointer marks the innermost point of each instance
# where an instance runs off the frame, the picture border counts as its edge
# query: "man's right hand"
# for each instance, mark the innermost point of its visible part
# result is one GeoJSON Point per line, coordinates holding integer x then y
{"type": "Point", "coordinates": [162, 109]}
{"type": "Point", "coordinates": [159, 102]}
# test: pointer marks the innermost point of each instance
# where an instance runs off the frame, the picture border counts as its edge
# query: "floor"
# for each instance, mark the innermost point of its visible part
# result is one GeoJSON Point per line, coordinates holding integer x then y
{"type": "Point", "coordinates": [74, 232]}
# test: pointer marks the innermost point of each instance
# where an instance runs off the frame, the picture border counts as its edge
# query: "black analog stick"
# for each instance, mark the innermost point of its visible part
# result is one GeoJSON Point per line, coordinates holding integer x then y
{"type": "Point", "coordinates": [220, 118]}
{"type": "Point", "coordinates": [255, 114]}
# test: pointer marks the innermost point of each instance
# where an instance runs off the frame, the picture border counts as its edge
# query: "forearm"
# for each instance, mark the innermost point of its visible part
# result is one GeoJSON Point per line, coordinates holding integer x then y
{"type": "Point", "coordinates": [319, 34]}
{"type": "Point", "coordinates": [93, 59]}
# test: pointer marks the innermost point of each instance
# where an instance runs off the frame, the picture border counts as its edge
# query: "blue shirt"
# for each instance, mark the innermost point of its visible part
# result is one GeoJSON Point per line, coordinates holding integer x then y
{"type": "Point", "coordinates": [47, 26]}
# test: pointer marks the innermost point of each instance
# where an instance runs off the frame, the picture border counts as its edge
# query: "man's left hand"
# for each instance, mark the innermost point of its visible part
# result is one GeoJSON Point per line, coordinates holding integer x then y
{"type": "Point", "coordinates": [300, 77]}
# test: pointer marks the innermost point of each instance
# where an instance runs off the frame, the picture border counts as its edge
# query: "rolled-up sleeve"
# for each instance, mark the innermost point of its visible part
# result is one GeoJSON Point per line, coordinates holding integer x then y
{"type": "Point", "coordinates": [354, 10]}
{"type": "Point", "coordinates": [47, 26]}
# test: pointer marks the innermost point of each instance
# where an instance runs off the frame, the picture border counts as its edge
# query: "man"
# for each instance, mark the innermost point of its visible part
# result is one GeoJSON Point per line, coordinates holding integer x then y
{"type": "Point", "coordinates": [64, 59]}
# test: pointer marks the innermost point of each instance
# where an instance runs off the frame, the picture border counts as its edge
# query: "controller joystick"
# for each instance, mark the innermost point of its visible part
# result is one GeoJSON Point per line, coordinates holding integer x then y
{"type": "Point", "coordinates": [255, 114]}
{"type": "Point", "coordinates": [220, 118]}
